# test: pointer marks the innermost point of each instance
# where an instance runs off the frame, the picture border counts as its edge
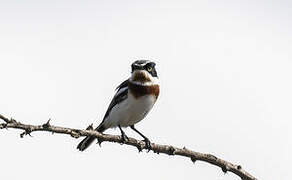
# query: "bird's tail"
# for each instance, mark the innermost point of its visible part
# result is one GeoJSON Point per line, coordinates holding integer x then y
{"type": "Point", "coordinates": [86, 142]}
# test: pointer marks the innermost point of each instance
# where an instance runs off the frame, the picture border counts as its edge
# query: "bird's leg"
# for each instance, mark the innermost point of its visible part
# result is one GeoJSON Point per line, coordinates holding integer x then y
{"type": "Point", "coordinates": [123, 135]}
{"type": "Point", "coordinates": [146, 140]}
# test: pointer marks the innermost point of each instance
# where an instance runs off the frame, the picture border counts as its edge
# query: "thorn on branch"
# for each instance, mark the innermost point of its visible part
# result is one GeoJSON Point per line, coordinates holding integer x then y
{"type": "Point", "coordinates": [26, 132]}
{"type": "Point", "coordinates": [90, 127]}
{"type": "Point", "coordinates": [12, 121]}
{"type": "Point", "coordinates": [224, 169]}
{"type": "Point", "coordinates": [47, 124]}
{"type": "Point", "coordinates": [193, 159]}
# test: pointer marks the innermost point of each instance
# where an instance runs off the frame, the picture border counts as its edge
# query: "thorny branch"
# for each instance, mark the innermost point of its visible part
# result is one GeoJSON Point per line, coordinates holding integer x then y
{"type": "Point", "coordinates": [140, 145]}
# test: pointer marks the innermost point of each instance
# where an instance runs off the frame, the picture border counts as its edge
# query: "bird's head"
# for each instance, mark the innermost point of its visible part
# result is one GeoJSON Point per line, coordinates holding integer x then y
{"type": "Point", "coordinates": [144, 72]}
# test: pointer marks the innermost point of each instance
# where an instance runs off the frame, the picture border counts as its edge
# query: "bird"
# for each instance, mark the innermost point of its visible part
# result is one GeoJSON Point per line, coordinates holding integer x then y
{"type": "Point", "coordinates": [133, 100]}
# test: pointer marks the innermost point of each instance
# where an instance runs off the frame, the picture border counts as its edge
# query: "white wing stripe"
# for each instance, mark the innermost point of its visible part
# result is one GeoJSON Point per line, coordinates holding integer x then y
{"type": "Point", "coordinates": [121, 91]}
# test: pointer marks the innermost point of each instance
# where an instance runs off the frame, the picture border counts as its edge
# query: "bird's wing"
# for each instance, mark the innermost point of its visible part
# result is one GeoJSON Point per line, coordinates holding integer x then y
{"type": "Point", "coordinates": [121, 94]}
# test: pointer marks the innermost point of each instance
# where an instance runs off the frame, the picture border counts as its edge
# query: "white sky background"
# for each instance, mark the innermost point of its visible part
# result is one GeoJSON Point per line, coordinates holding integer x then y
{"type": "Point", "coordinates": [224, 68]}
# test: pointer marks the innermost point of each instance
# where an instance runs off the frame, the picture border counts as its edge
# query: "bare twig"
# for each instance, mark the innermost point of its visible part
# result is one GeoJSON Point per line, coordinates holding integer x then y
{"type": "Point", "coordinates": [140, 145]}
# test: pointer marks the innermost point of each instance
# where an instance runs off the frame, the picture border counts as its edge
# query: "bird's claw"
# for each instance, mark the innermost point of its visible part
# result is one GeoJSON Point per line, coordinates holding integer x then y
{"type": "Point", "coordinates": [124, 137]}
{"type": "Point", "coordinates": [147, 144]}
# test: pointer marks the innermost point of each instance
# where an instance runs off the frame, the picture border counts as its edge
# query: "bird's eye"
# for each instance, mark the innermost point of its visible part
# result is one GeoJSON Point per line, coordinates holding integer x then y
{"type": "Point", "coordinates": [149, 69]}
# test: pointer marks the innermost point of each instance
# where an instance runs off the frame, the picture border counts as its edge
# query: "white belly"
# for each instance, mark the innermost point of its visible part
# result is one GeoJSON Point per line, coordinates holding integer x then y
{"type": "Point", "coordinates": [130, 111]}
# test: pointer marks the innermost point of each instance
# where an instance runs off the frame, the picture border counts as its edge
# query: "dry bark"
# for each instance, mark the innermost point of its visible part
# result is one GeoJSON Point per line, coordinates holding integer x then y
{"type": "Point", "coordinates": [140, 145]}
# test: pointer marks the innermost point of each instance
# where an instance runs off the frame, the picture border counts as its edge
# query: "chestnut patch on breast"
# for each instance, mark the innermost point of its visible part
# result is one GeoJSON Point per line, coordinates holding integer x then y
{"type": "Point", "coordinates": [141, 90]}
